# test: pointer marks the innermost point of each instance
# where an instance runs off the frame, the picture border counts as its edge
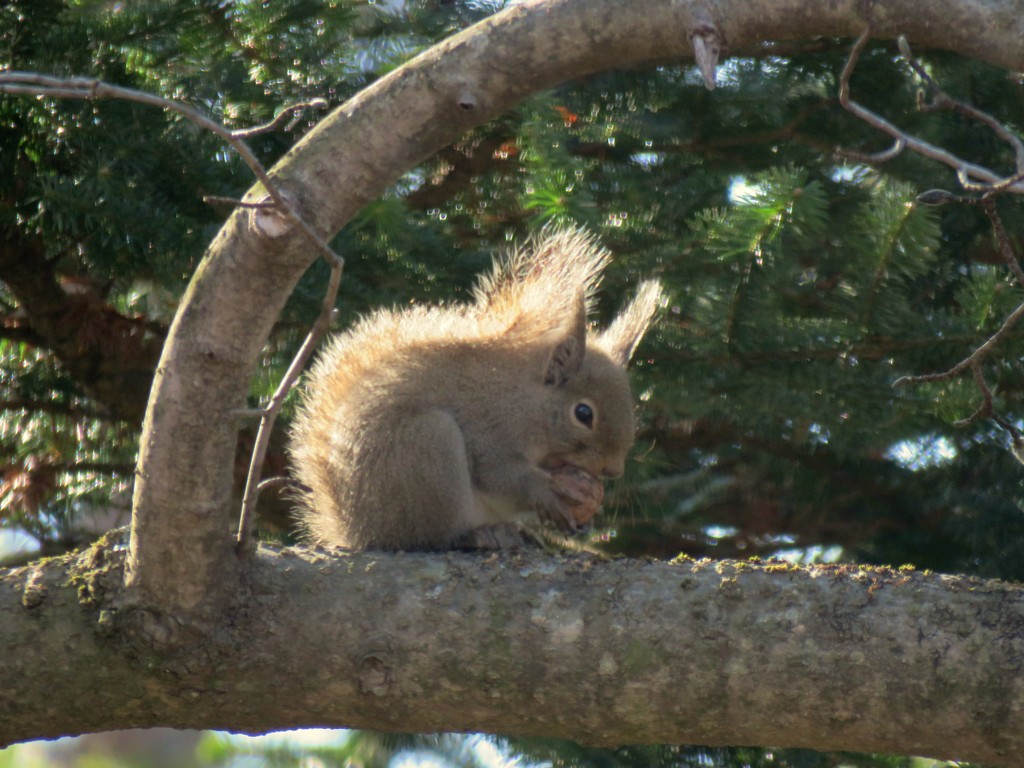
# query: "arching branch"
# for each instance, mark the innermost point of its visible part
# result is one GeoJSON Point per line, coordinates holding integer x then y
{"type": "Point", "coordinates": [347, 161]}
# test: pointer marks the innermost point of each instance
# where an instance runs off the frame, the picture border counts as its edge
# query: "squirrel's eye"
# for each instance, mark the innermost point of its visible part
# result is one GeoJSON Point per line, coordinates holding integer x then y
{"type": "Point", "coordinates": [584, 414]}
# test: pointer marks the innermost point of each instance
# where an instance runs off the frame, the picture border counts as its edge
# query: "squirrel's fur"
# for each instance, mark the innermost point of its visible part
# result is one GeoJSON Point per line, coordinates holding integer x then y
{"type": "Point", "coordinates": [419, 425]}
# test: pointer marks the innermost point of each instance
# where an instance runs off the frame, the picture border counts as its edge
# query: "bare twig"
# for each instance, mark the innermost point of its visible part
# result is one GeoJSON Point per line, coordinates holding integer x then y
{"type": "Point", "coordinates": [1016, 441]}
{"type": "Point", "coordinates": [985, 409]}
{"type": "Point", "coordinates": [270, 412]}
{"type": "Point", "coordinates": [965, 170]}
{"type": "Point", "coordinates": [35, 84]}
{"type": "Point", "coordinates": [937, 197]}
{"type": "Point", "coordinates": [287, 114]}
{"type": "Point", "coordinates": [1001, 186]}
{"type": "Point", "coordinates": [943, 100]}
{"type": "Point", "coordinates": [973, 361]}
{"type": "Point", "coordinates": [876, 157]}
{"type": "Point", "coordinates": [988, 204]}
{"type": "Point", "coordinates": [977, 355]}
{"type": "Point", "coordinates": [973, 178]}
{"type": "Point", "coordinates": [275, 482]}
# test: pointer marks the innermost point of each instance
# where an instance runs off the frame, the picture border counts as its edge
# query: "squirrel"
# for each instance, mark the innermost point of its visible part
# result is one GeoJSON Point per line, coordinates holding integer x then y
{"type": "Point", "coordinates": [436, 427]}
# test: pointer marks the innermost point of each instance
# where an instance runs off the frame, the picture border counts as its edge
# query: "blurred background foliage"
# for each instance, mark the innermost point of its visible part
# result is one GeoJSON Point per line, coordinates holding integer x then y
{"type": "Point", "coordinates": [801, 284]}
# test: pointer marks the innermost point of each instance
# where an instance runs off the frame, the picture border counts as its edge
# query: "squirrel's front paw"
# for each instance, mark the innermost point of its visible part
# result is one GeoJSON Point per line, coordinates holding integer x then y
{"type": "Point", "coordinates": [553, 508]}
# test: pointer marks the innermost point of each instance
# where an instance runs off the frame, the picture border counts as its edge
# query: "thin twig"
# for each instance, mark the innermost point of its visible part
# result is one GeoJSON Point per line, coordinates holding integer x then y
{"type": "Point", "coordinates": [965, 169]}
{"type": "Point", "coordinates": [84, 467]}
{"type": "Point", "coordinates": [274, 482]}
{"type": "Point", "coordinates": [968, 174]}
{"type": "Point", "coordinates": [988, 204]}
{"type": "Point", "coordinates": [1001, 186]}
{"type": "Point", "coordinates": [270, 412]}
{"type": "Point", "coordinates": [34, 84]}
{"type": "Point", "coordinates": [943, 100]}
{"type": "Point", "coordinates": [977, 355]}
{"type": "Point", "coordinates": [874, 158]}
{"type": "Point", "coordinates": [288, 113]}
{"type": "Point", "coordinates": [1016, 442]}
{"type": "Point", "coordinates": [985, 409]}
{"type": "Point", "coordinates": [987, 201]}
{"type": "Point", "coordinates": [937, 197]}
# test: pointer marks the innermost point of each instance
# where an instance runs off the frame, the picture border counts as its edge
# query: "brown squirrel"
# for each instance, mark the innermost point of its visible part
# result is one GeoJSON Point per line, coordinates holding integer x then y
{"type": "Point", "coordinates": [435, 427]}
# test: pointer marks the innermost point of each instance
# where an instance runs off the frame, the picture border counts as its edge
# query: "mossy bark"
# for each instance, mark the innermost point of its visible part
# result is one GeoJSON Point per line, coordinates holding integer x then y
{"type": "Point", "coordinates": [603, 652]}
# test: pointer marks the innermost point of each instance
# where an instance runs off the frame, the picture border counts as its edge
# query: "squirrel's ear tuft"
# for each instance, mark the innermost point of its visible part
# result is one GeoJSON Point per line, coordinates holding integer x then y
{"type": "Point", "coordinates": [621, 338]}
{"type": "Point", "coordinates": [539, 281]}
{"type": "Point", "coordinates": [566, 357]}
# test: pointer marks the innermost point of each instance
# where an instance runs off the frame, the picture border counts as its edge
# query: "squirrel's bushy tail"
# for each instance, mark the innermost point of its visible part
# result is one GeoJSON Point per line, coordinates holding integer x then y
{"type": "Point", "coordinates": [544, 284]}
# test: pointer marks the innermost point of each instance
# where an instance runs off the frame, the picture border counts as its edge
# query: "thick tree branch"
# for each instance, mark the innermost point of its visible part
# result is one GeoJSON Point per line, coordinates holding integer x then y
{"type": "Point", "coordinates": [603, 652]}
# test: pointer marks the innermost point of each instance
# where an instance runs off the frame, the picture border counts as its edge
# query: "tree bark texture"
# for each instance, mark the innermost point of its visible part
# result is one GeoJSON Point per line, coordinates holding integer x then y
{"type": "Point", "coordinates": [603, 652]}
{"type": "Point", "coordinates": [184, 476]}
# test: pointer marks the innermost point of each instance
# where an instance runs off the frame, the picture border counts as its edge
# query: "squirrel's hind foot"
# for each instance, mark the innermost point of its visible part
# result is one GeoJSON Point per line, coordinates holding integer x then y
{"type": "Point", "coordinates": [505, 535]}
